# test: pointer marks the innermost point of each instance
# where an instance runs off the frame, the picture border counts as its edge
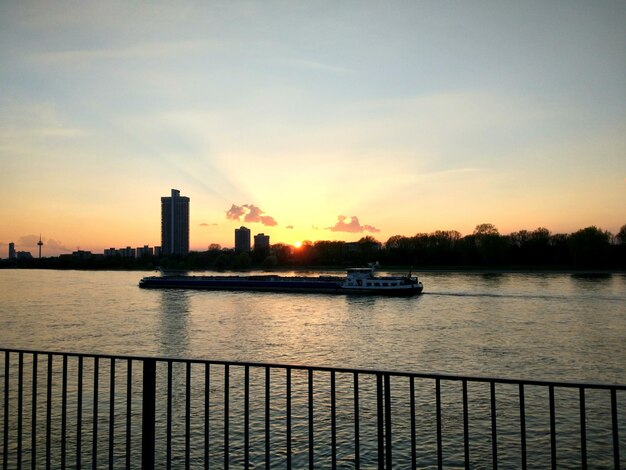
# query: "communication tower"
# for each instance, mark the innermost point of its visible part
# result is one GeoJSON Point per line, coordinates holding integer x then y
{"type": "Point", "coordinates": [40, 244]}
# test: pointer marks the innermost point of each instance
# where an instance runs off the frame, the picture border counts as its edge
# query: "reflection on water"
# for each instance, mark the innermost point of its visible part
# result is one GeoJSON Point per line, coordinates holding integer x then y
{"type": "Point", "coordinates": [356, 301]}
{"type": "Point", "coordinates": [599, 277]}
{"type": "Point", "coordinates": [493, 279]}
{"type": "Point", "coordinates": [174, 323]}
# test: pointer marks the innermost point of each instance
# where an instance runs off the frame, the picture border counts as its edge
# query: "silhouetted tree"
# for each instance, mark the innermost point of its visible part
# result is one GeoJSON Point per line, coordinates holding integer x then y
{"type": "Point", "coordinates": [397, 248]}
{"type": "Point", "coordinates": [282, 252]}
{"type": "Point", "coordinates": [368, 249]}
{"type": "Point", "coordinates": [621, 235]}
{"type": "Point", "coordinates": [485, 230]}
{"type": "Point", "coordinates": [468, 251]}
{"type": "Point", "coordinates": [530, 248]}
{"type": "Point", "coordinates": [270, 262]}
{"type": "Point", "coordinates": [442, 246]}
{"type": "Point", "coordinates": [259, 254]}
{"type": "Point", "coordinates": [221, 262]}
{"type": "Point", "coordinates": [491, 246]}
{"type": "Point", "coordinates": [620, 248]}
{"type": "Point", "coordinates": [329, 253]}
{"type": "Point", "coordinates": [242, 261]}
{"type": "Point", "coordinates": [559, 247]}
{"type": "Point", "coordinates": [394, 242]}
{"type": "Point", "coordinates": [539, 246]}
{"type": "Point", "coordinates": [589, 247]}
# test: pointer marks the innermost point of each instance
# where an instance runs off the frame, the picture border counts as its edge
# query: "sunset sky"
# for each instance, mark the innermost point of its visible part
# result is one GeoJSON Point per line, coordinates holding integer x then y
{"type": "Point", "coordinates": [308, 120]}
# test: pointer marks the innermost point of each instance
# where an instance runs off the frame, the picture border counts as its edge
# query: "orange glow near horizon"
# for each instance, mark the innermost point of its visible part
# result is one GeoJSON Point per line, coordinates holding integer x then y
{"type": "Point", "coordinates": [297, 244]}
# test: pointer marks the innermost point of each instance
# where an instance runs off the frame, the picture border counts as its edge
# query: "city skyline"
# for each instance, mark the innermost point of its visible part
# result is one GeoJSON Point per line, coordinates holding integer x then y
{"type": "Point", "coordinates": [309, 122]}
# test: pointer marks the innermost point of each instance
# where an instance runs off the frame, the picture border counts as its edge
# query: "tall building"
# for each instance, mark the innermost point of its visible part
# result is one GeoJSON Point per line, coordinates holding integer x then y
{"type": "Point", "coordinates": [262, 242]}
{"type": "Point", "coordinates": [12, 254]}
{"type": "Point", "coordinates": [242, 240]}
{"type": "Point", "coordinates": [175, 224]}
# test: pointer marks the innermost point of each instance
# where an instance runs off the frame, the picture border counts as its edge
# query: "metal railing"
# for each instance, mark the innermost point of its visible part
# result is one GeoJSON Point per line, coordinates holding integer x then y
{"type": "Point", "coordinates": [103, 411]}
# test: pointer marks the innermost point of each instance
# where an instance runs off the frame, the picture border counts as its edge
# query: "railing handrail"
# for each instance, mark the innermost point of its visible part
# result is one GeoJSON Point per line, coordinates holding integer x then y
{"type": "Point", "coordinates": [343, 370]}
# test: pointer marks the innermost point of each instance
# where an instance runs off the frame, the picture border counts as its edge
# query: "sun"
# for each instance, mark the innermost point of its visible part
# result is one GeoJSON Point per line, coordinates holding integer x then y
{"type": "Point", "coordinates": [297, 244]}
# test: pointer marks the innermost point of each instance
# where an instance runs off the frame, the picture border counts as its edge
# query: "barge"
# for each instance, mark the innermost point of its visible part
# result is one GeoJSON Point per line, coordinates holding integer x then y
{"type": "Point", "coordinates": [362, 281]}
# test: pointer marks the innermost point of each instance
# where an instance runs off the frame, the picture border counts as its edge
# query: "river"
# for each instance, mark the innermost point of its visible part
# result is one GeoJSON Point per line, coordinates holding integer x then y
{"type": "Point", "coordinates": [551, 326]}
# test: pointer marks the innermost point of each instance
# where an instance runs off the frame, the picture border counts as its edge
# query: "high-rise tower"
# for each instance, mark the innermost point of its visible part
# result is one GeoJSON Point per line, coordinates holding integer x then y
{"type": "Point", "coordinates": [40, 244]}
{"type": "Point", "coordinates": [262, 242]}
{"type": "Point", "coordinates": [242, 240]}
{"type": "Point", "coordinates": [175, 224]}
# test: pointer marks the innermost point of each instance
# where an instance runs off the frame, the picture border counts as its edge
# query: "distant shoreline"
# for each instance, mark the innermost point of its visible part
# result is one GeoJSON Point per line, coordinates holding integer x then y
{"type": "Point", "coordinates": [395, 268]}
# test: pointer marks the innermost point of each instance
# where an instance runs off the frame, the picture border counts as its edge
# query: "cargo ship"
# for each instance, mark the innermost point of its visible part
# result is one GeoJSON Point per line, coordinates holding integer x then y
{"type": "Point", "coordinates": [361, 281]}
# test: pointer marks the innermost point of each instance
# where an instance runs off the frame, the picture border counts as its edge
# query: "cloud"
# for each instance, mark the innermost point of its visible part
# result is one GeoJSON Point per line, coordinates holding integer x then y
{"type": "Point", "coordinates": [256, 215]}
{"type": "Point", "coordinates": [235, 212]}
{"type": "Point", "coordinates": [56, 245]}
{"type": "Point", "coordinates": [204, 224]}
{"type": "Point", "coordinates": [290, 227]}
{"type": "Point", "coordinates": [62, 132]}
{"type": "Point", "coordinates": [156, 50]}
{"type": "Point", "coordinates": [250, 214]}
{"type": "Point", "coordinates": [30, 241]}
{"type": "Point", "coordinates": [353, 226]}
{"type": "Point", "coordinates": [321, 67]}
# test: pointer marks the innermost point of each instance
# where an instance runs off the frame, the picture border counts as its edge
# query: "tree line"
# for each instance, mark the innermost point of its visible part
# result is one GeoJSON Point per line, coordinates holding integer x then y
{"type": "Point", "coordinates": [588, 248]}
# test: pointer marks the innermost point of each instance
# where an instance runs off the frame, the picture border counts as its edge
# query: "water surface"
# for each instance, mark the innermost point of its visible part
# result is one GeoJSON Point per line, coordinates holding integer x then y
{"type": "Point", "coordinates": [539, 326]}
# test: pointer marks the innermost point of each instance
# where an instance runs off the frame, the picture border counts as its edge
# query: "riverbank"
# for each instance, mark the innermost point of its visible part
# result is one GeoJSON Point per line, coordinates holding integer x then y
{"type": "Point", "coordinates": [46, 264]}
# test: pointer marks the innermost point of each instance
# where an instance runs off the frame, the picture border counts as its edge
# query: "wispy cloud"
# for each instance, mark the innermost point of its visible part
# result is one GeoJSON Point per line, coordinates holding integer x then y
{"type": "Point", "coordinates": [137, 51]}
{"type": "Point", "coordinates": [26, 122]}
{"type": "Point", "coordinates": [62, 132]}
{"type": "Point", "coordinates": [250, 214]}
{"type": "Point", "coordinates": [353, 226]}
{"type": "Point", "coordinates": [319, 66]}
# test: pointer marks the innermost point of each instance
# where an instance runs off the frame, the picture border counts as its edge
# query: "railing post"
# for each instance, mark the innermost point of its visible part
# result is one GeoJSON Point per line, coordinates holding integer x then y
{"type": "Point", "coordinates": [615, 427]}
{"type": "Point", "coordinates": [388, 441]}
{"type": "Point", "coordinates": [380, 420]}
{"type": "Point", "coordinates": [5, 447]}
{"type": "Point", "coordinates": [148, 413]}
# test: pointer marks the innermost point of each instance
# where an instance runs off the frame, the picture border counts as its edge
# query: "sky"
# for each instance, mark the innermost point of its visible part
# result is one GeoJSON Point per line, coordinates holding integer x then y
{"type": "Point", "coordinates": [317, 120]}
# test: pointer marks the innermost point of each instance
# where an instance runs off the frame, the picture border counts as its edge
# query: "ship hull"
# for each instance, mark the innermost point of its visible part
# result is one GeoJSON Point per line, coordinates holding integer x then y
{"type": "Point", "coordinates": [273, 284]}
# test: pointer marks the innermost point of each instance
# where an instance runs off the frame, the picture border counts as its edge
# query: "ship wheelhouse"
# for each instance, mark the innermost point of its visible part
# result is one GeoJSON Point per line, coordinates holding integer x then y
{"type": "Point", "coordinates": [364, 278]}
